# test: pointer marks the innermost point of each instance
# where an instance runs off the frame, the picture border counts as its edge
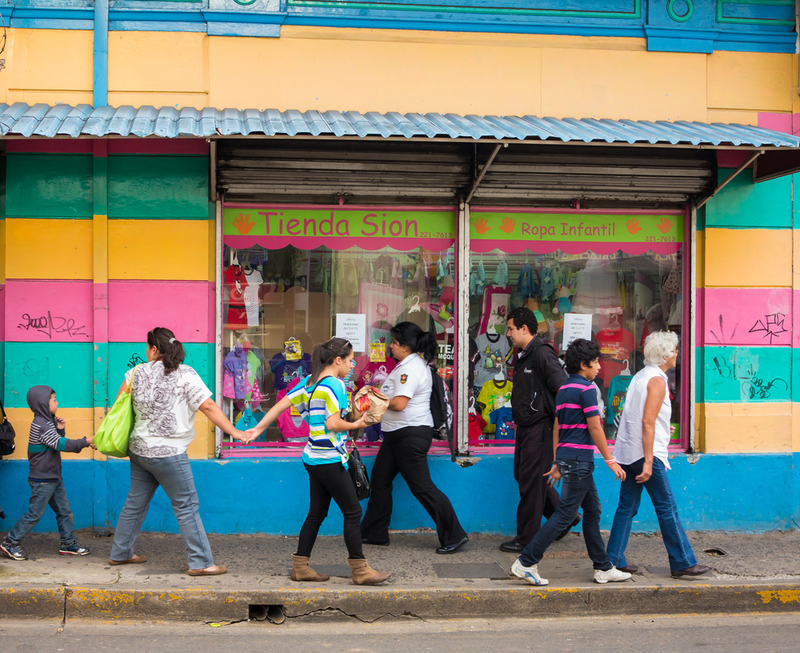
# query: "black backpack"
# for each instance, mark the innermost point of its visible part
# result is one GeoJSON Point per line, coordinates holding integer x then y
{"type": "Point", "coordinates": [7, 434]}
{"type": "Point", "coordinates": [441, 409]}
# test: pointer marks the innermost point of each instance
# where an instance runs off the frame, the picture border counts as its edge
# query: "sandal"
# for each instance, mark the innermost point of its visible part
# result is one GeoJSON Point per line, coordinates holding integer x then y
{"type": "Point", "coordinates": [214, 570]}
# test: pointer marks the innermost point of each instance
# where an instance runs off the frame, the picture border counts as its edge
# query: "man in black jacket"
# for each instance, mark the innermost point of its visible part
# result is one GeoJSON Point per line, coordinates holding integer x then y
{"type": "Point", "coordinates": [537, 377]}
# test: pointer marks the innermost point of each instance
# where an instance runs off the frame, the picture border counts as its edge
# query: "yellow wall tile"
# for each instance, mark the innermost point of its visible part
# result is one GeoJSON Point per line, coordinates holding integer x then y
{"type": "Point", "coordinates": [733, 117]}
{"type": "Point", "coordinates": [136, 62]}
{"type": "Point", "coordinates": [158, 249]}
{"type": "Point", "coordinates": [615, 85]}
{"type": "Point", "coordinates": [204, 443]}
{"type": "Point", "coordinates": [49, 59]}
{"type": "Point", "coordinates": [746, 428]}
{"type": "Point", "coordinates": [750, 80]}
{"type": "Point", "coordinates": [63, 249]}
{"type": "Point", "coordinates": [2, 251]}
{"type": "Point", "coordinates": [79, 424]}
{"type": "Point", "coordinates": [748, 258]}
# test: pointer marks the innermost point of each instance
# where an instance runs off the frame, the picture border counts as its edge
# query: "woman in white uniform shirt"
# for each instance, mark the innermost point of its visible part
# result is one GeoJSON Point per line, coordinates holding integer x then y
{"type": "Point", "coordinates": [642, 451]}
{"type": "Point", "coordinates": [407, 436]}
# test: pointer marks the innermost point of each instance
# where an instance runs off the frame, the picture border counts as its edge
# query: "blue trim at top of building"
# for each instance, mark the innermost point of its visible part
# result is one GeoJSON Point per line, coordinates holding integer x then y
{"type": "Point", "coordinates": [667, 25]}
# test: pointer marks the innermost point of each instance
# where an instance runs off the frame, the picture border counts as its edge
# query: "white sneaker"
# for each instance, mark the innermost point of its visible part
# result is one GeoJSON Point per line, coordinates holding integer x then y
{"type": "Point", "coordinates": [614, 575]}
{"type": "Point", "coordinates": [531, 574]}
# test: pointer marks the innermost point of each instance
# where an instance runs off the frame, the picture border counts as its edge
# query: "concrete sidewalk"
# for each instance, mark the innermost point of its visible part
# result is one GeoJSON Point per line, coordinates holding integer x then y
{"type": "Point", "coordinates": [759, 572]}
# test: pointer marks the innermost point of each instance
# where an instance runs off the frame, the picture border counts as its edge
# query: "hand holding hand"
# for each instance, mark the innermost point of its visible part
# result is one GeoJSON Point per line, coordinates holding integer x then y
{"type": "Point", "coordinates": [236, 434]}
{"type": "Point", "coordinates": [555, 476]}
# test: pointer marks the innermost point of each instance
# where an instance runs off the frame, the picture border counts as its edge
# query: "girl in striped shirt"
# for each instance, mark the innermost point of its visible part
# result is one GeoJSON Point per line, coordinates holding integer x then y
{"type": "Point", "coordinates": [321, 398]}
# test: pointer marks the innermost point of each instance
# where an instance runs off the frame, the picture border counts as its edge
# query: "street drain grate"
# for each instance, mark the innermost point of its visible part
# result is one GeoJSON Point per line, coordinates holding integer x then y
{"type": "Point", "coordinates": [273, 613]}
{"type": "Point", "coordinates": [490, 570]}
{"type": "Point", "coordinates": [716, 552]}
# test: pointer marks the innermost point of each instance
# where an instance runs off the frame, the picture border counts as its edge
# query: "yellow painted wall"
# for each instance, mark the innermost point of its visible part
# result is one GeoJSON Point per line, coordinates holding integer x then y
{"type": "Point", "coordinates": [63, 248]}
{"type": "Point", "coordinates": [725, 267]}
{"type": "Point", "coordinates": [747, 428]}
{"type": "Point", "coordinates": [396, 70]}
{"type": "Point", "coordinates": [163, 249]}
{"type": "Point", "coordinates": [79, 424]}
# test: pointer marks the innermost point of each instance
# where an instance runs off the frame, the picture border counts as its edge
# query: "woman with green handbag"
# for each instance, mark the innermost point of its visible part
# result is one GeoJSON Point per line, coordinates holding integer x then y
{"type": "Point", "coordinates": [166, 395]}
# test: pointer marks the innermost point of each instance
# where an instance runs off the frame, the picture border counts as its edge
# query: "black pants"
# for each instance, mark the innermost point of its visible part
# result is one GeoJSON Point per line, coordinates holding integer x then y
{"type": "Point", "coordinates": [328, 481]}
{"type": "Point", "coordinates": [533, 457]}
{"type": "Point", "coordinates": [406, 451]}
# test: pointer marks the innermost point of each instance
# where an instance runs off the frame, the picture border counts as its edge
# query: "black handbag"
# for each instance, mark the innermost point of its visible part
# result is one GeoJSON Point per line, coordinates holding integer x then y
{"type": "Point", "coordinates": [358, 472]}
{"type": "Point", "coordinates": [7, 434]}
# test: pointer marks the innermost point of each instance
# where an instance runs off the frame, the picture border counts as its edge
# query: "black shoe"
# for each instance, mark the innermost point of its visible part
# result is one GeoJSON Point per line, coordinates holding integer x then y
{"type": "Point", "coordinates": [566, 531]}
{"type": "Point", "coordinates": [694, 570]}
{"type": "Point", "coordinates": [366, 540]}
{"type": "Point", "coordinates": [452, 548]}
{"type": "Point", "coordinates": [512, 547]}
{"type": "Point", "coordinates": [631, 569]}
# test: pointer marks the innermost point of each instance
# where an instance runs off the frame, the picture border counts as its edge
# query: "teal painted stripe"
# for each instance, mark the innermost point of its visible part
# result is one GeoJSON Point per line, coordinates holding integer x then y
{"type": "Point", "coordinates": [744, 374]}
{"type": "Point", "coordinates": [65, 367]}
{"type": "Point", "coordinates": [150, 187]}
{"type": "Point", "coordinates": [795, 374]}
{"type": "Point", "coordinates": [122, 356]}
{"type": "Point", "coordinates": [49, 186]}
{"type": "Point", "coordinates": [745, 205]}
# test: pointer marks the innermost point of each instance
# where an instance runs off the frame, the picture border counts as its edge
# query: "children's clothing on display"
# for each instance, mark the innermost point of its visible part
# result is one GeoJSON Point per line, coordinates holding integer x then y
{"type": "Point", "coordinates": [234, 378]}
{"type": "Point", "coordinates": [674, 279]}
{"type": "Point", "coordinates": [616, 347]}
{"type": "Point", "coordinates": [504, 424]}
{"type": "Point", "coordinates": [598, 290]}
{"type": "Point", "coordinates": [496, 300]}
{"type": "Point", "coordinates": [286, 371]}
{"type": "Point", "coordinates": [236, 284]}
{"type": "Point", "coordinates": [253, 374]}
{"type": "Point", "coordinates": [493, 350]}
{"type": "Point", "coordinates": [373, 374]}
{"type": "Point", "coordinates": [252, 304]}
{"type": "Point", "coordinates": [381, 304]}
{"type": "Point", "coordinates": [617, 390]}
{"type": "Point", "coordinates": [292, 425]}
{"type": "Point", "coordinates": [476, 424]}
{"type": "Point", "coordinates": [494, 395]}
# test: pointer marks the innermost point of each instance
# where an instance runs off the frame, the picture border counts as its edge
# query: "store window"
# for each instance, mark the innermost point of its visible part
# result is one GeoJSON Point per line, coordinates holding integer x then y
{"type": "Point", "coordinates": [295, 277]}
{"type": "Point", "coordinates": [612, 277]}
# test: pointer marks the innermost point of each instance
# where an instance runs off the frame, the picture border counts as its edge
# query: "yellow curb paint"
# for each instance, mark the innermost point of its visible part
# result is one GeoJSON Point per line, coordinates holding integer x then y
{"type": "Point", "coordinates": [784, 596]}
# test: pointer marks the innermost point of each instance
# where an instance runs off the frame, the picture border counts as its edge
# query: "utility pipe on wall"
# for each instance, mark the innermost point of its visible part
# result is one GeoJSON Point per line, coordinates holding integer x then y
{"type": "Point", "coordinates": [100, 55]}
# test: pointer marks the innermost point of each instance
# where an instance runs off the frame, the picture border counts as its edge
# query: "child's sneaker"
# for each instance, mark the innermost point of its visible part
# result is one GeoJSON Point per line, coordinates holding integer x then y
{"type": "Point", "coordinates": [531, 574]}
{"type": "Point", "coordinates": [75, 549]}
{"type": "Point", "coordinates": [613, 575]}
{"type": "Point", "coordinates": [13, 551]}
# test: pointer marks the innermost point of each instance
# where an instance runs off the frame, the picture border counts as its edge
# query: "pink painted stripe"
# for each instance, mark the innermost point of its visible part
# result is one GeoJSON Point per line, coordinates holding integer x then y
{"type": "Point", "coordinates": [572, 426]}
{"type": "Point", "coordinates": [48, 311]}
{"type": "Point", "coordinates": [135, 307]}
{"type": "Point", "coordinates": [746, 316]}
{"type": "Point", "coordinates": [506, 209]}
{"type": "Point", "coordinates": [779, 122]}
{"type": "Point", "coordinates": [570, 445]}
{"type": "Point", "coordinates": [2, 312]}
{"type": "Point", "coordinates": [548, 247]}
{"type": "Point", "coordinates": [100, 303]}
{"type": "Point", "coordinates": [50, 146]}
{"type": "Point", "coordinates": [158, 146]}
{"type": "Point", "coordinates": [312, 242]}
{"type": "Point", "coordinates": [576, 406]}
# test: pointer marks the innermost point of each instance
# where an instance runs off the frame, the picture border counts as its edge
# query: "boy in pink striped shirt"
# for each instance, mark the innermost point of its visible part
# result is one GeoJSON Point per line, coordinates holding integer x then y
{"type": "Point", "coordinates": [577, 431]}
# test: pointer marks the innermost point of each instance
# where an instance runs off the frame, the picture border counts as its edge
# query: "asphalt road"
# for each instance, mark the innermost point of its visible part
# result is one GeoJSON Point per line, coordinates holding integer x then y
{"type": "Point", "coordinates": [770, 633]}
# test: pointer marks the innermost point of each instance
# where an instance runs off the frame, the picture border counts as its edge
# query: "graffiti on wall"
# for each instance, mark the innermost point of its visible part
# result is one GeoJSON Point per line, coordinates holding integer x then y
{"type": "Point", "coordinates": [746, 316]}
{"type": "Point", "coordinates": [50, 325]}
{"type": "Point", "coordinates": [742, 369]}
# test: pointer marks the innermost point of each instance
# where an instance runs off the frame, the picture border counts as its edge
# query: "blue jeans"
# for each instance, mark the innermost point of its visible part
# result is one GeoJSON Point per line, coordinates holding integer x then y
{"type": "Point", "coordinates": [679, 550]}
{"type": "Point", "coordinates": [44, 493]}
{"type": "Point", "coordinates": [578, 491]}
{"type": "Point", "coordinates": [174, 474]}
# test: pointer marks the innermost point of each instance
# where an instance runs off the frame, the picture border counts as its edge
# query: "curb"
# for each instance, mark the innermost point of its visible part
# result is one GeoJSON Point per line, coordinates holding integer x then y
{"type": "Point", "coordinates": [375, 603]}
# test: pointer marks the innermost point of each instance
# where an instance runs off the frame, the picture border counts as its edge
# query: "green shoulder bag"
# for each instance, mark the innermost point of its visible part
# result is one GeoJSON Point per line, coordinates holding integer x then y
{"type": "Point", "coordinates": [115, 431]}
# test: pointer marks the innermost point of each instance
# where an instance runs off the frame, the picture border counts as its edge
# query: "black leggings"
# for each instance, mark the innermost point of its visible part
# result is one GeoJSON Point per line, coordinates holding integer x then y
{"type": "Point", "coordinates": [327, 481]}
{"type": "Point", "coordinates": [405, 451]}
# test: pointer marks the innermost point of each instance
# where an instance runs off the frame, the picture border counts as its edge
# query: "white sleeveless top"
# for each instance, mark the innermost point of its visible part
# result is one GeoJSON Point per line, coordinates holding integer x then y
{"type": "Point", "coordinates": [628, 448]}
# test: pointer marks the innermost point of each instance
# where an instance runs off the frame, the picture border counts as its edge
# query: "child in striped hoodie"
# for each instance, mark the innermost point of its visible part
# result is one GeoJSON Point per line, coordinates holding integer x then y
{"type": "Point", "coordinates": [45, 444]}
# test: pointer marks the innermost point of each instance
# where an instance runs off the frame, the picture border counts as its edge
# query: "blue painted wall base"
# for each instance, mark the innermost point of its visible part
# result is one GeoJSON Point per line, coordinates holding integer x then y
{"type": "Point", "coordinates": [747, 493]}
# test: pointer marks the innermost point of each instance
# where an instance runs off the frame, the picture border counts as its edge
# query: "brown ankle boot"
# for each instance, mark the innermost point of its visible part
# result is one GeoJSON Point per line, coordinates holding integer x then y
{"type": "Point", "coordinates": [302, 571]}
{"type": "Point", "coordinates": [363, 574]}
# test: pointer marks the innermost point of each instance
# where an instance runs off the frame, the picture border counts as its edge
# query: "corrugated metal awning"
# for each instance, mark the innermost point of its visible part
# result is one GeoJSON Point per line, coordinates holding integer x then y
{"type": "Point", "coordinates": [42, 120]}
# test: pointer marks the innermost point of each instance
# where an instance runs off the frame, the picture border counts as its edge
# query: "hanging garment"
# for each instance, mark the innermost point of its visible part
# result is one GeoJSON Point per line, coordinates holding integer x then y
{"type": "Point", "coordinates": [493, 351]}
{"type": "Point", "coordinates": [503, 422]}
{"type": "Point", "coordinates": [286, 371]}
{"type": "Point", "coordinates": [494, 395]}
{"type": "Point", "coordinates": [235, 285]}
{"type": "Point", "coordinates": [598, 290]}
{"type": "Point", "coordinates": [381, 304]}
{"type": "Point", "coordinates": [234, 382]}
{"type": "Point", "coordinates": [291, 423]}
{"type": "Point", "coordinates": [494, 310]}
{"type": "Point", "coordinates": [616, 347]}
{"type": "Point", "coordinates": [617, 390]}
{"type": "Point", "coordinates": [252, 303]}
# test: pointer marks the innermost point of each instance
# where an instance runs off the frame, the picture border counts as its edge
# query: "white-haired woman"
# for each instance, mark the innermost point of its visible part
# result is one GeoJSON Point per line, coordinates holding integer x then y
{"type": "Point", "coordinates": [641, 450]}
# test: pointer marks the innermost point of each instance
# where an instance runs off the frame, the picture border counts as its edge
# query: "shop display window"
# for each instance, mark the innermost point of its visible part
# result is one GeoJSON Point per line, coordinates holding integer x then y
{"type": "Point", "coordinates": [611, 278]}
{"type": "Point", "coordinates": [293, 278]}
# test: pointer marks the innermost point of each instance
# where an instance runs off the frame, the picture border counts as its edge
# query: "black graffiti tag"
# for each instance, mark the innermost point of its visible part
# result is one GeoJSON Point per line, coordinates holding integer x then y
{"type": "Point", "coordinates": [49, 325]}
{"type": "Point", "coordinates": [760, 389]}
{"type": "Point", "coordinates": [135, 360]}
